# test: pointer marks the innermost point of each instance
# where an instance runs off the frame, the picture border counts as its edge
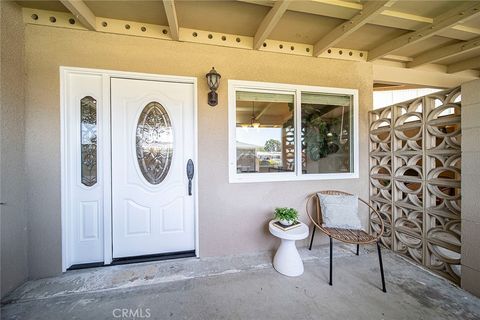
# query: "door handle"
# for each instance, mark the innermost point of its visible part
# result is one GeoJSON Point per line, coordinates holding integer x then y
{"type": "Point", "coordinates": [190, 172]}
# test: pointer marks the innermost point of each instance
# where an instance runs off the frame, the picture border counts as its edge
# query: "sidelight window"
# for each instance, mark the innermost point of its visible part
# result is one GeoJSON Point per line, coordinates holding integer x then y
{"type": "Point", "coordinates": [88, 136]}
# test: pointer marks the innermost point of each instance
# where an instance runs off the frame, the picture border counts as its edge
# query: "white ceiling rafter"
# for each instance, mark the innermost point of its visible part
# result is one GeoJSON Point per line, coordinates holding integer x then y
{"type": "Point", "coordinates": [392, 57]}
{"type": "Point", "coordinates": [83, 13]}
{"type": "Point", "coordinates": [473, 63]}
{"type": "Point", "coordinates": [264, 110]}
{"type": "Point", "coordinates": [370, 10]}
{"type": "Point", "coordinates": [466, 29]}
{"type": "Point", "coordinates": [171, 13]}
{"type": "Point", "coordinates": [444, 52]}
{"type": "Point", "coordinates": [269, 22]}
{"type": "Point", "coordinates": [440, 23]}
{"type": "Point", "coordinates": [431, 78]}
{"type": "Point", "coordinates": [406, 16]}
{"type": "Point", "coordinates": [305, 7]}
{"type": "Point", "coordinates": [341, 3]}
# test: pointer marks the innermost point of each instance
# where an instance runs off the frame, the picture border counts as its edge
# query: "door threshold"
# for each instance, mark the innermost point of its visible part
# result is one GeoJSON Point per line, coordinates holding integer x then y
{"type": "Point", "coordinates": [137, 259]}
{"type": "Point", "coordinates": [86, 265]}
{"type": "Point", "coordinates": [154, 257]}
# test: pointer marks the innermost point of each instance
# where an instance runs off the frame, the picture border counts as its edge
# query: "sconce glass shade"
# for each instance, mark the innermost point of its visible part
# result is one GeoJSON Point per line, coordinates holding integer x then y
{"type": "Point", "coordinates": [213, 79]}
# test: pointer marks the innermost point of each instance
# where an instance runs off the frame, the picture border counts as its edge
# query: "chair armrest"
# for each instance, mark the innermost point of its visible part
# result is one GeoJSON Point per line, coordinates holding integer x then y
{"type": "Point", "coordinates": [382, 224]}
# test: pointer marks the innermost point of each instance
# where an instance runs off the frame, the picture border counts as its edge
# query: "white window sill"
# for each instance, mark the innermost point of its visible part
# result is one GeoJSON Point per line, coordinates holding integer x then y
{"type": "Point", "coordinates": [275, 177]}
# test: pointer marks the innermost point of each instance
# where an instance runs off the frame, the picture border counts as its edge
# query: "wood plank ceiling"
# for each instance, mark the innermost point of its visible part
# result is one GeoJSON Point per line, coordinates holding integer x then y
{"type": "Point", "coordinates": [410, 33]}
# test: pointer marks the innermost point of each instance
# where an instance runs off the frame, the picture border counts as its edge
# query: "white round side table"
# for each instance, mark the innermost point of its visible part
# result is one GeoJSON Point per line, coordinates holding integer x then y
{"type": "Point", "coordinates": [287, 260]}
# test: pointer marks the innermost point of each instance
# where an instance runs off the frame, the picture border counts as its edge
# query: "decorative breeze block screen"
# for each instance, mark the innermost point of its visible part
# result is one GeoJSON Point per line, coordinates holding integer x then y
{"type": "Point", "coordinates": [415, 179]}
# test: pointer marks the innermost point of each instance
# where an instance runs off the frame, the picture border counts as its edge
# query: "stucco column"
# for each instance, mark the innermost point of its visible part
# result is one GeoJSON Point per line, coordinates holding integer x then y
{"type": "Point", "coordinates": [471, 187]}
{"type": "Point", "coordinates": [13, 214]}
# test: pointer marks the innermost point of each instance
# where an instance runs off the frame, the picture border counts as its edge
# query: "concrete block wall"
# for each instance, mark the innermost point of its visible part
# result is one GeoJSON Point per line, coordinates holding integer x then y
{"type": "Point", "coordinates": [471, 187]}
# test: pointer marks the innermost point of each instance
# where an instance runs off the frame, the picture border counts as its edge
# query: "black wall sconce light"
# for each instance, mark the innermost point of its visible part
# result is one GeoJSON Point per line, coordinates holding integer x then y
{"type": "Point", "coordinates": [213, 80]}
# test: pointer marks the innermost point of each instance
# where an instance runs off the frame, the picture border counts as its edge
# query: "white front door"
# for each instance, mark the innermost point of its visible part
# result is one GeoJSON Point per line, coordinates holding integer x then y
{"type": "Point", "coordinates": [152, 134]}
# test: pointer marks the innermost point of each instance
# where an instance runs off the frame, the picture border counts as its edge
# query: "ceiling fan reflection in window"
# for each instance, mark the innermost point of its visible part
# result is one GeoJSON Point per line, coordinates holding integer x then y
{"type": "Point", "coordinates": [254, 122]}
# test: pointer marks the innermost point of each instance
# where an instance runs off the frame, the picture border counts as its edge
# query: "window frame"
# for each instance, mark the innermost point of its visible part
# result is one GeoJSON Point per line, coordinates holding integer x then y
{"type": "Point", "coordinates": [296, 91]}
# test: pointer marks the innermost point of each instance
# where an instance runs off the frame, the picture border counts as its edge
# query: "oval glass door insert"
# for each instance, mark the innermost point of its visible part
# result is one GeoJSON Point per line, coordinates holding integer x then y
{"type": "Point", "coordinates": [154, 142]}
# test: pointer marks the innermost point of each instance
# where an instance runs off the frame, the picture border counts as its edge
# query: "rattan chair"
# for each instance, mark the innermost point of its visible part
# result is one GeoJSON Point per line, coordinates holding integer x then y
{"type": "Point", "coordinates": [351, 236]}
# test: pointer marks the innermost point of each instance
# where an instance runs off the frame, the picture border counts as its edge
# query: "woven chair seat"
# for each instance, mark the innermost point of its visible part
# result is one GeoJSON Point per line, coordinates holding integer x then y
{"type": "Point", "coordinates": [345, 235]}
{"type": "Point", "coordinates": [350, 235]}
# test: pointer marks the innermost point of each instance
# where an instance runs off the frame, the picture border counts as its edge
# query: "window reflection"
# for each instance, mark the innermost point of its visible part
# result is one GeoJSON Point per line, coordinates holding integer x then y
{"type": "Point", "coordinates": [327, 122]}
{"type": "Point", "coordinates": [265, 132]}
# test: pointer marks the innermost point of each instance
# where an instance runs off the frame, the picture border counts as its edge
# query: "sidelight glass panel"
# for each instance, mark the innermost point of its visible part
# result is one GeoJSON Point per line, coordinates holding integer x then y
{"type": "Point", "coordinates": [88, 134]}
{"type": "Point", "coordinates": [265, 135]}
{"type": "Point", "coordinates": [327, 133]}
{"type": "Point", "coordinates": [154, 142]}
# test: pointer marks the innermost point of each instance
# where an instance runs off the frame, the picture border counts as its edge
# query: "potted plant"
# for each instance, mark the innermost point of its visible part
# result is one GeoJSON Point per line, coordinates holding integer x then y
{"type": "Point", "coordinates": [286, 216]}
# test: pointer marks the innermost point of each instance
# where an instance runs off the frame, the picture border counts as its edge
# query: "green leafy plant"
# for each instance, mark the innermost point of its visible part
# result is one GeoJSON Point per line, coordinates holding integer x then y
{"type": "Point", "coordinates": [288, 214]}
{"type": "Point", "coordinates": [320, 137]}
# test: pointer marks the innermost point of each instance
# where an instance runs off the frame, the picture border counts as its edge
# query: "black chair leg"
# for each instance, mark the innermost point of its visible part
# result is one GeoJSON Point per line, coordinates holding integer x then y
{"type": "Point", "coordinates": [358, 248]}
{"type": "Point", "coordinates": [381, 266]}
{"type": "Point", "coordinates": [331, 260]}
{"type": "Point", "coordinates": [313, 234]}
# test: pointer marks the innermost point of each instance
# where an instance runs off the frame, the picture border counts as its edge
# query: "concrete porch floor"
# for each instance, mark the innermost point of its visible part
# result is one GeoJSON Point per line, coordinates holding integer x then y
{"type": "Point", "coordinates": [246, 287]}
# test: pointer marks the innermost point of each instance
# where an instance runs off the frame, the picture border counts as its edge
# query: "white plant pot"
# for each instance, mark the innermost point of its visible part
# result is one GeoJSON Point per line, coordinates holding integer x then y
{"type": "Point", "coordinates": [286, 222]}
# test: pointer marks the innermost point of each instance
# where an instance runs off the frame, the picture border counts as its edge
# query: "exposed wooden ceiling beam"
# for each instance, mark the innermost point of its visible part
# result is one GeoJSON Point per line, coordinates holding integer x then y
{"type": "Point", "coordinates": [264, 110]}
{"type": "Point", "coordinates": [445, 52]}
{"type": "Point", "coordinates": [473, 63]}
{"type": "Point", "coordinates": [172, 18]}
{"type": "Point", "coordinates": [306, 7]}
{"type": "Point", "coordinates": [269, 22]}
{"type": "Point", "coordinates": [466, 29]}
{"type": "Point", "coordinates": [83, 13]}
{"type": "Point", "coordinates": [440, 23]}
{"type": "Point", "coordinates": [435, 77]}
{"type": "Point", "coordinates": [341, 3]}
{"type": "Point", "coordinates": [393, 57]}
{"type": "Point", "coordinates": [406, 16]}
{"type": "Point", "coordinates": [370, 10]}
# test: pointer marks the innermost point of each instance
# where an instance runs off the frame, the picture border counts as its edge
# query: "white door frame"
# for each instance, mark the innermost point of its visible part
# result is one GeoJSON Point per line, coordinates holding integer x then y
{"type": "Point", "coordinates": [106, 122]}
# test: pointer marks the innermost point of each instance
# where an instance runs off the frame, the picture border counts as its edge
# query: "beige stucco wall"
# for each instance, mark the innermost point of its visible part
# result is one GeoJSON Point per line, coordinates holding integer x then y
{"type": "Point", "coordinates": [471, 187]}
{"type": "Point", "coordinates": [232, 216]}
{"type": "Point", "coordinates": [14, 237]}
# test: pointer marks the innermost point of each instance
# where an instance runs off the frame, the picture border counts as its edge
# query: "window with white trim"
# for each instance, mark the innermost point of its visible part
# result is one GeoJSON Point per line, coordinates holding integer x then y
{"type": "Point", "coordinates": [281, 132]}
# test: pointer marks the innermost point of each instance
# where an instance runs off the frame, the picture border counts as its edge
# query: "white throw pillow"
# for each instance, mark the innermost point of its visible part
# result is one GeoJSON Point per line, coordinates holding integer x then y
{"type": "Point", "coordinates": [340, 211]}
